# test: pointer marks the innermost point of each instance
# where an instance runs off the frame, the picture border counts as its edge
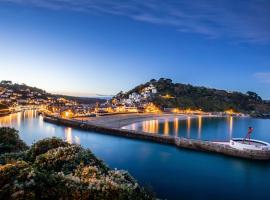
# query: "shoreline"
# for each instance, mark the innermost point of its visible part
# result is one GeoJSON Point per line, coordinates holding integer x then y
{"type": "Point", "coordinates": [192, 144]}
{"type": "Point", "coordinates": [123, 120]}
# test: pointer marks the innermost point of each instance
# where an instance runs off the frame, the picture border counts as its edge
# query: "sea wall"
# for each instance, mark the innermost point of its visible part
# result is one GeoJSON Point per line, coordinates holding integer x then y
{"type": "Point", "coordinates": [198, 145]}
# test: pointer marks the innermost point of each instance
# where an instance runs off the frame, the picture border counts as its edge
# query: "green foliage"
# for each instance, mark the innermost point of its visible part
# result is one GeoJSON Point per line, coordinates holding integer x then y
{"type": "Point", "coordinates": [66, 159]}
{"type": "Point", "coordinates": [54, 169]}
{"type": "Point", "coordinates": [82, 100]}
{"type": "Point", "coordinates": [207, 99]}
{"type": "Point", "coordinates": [5, 82]}
{"type": "Point", "coordinates": [45, 145]}
{"type": "Point", "coordinates": [13, 157]}
{"type": "Point", "coordinates": [17, 87]}
{"type": "Point", "coordinates": [10, 141]}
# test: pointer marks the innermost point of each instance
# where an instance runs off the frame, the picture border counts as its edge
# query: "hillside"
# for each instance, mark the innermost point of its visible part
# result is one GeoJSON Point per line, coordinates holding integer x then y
{"type": "Point", "coordinates": [177, 95]}
{"type": "Point", "coordinates": [82, 100]}
{"type": "Point", "coordinates": [23, 91]}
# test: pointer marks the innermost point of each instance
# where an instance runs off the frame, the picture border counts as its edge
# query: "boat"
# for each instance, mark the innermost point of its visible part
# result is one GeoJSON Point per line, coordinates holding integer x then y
{"type": "Point", "coordinates": [249, 144]}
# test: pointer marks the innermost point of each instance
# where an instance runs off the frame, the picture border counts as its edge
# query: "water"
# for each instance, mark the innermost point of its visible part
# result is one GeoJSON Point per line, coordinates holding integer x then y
{"type": "Point", "coordinates": [205, 128]}
{"type": "Point", "coordinates": [173, 173]}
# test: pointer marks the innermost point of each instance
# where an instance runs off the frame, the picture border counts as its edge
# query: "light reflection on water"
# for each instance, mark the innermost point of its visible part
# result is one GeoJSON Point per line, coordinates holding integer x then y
{"type": "Point", "coordinates": [195, 127]}
{"type": "Point", "coordinates": [176, 126]}
{"type": "Point", "coordinates": [31, 123]}
{"type": "Point", "coordinates": [68, 134]}
{"type": "Point", "coordinates": [199, 127]}
{"type": "Point", "coordinates": [172, 172]}
{"type": "Point", "coordinates": [166, 127]}
{"type": "Point", "coordinates": [173, 125]}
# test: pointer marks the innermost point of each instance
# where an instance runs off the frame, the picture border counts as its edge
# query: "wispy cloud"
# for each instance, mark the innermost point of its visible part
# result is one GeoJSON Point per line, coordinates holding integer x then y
{"type": "Point", "coordinates": [263, 77]}
{"type": "Point", "coordinates": [243, 20]}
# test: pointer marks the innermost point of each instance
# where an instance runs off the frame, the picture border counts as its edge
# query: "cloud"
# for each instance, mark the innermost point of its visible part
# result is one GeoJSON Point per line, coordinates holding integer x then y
{"type": "Point", "coordinates": [242, 20]}
{"type": "Point", "coordinates": [263, 77]}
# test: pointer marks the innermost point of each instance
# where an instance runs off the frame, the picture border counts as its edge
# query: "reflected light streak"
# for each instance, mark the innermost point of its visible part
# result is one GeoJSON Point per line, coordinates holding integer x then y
{"type": "Point", "coordinates": [230, 119]}
{"type": "Point", "coordinates": [19, 116]}
{"type": "Point", "coordinates": [157, 126]}
{"type": "Point", "coordinates": [176, 126]}
{"type": "Point", "coordinates": [10, 120]}
{"type": "Point", "coordinates": [68, 135]}
{"type": "Point", "coordinates": [40, 121]}
{"type": "Point", "coordinates": [199, 127]}
{"type": "Point", "coordinates": [150, 126]}
{"type": "Point", "coordinates": [166, 127]}
{"type": "Point", "coordinates": [188, 127]}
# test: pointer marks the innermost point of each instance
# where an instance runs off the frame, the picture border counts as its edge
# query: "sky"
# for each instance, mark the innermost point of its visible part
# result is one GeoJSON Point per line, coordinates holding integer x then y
{"type": "Point", "coordinates": [88, 47]}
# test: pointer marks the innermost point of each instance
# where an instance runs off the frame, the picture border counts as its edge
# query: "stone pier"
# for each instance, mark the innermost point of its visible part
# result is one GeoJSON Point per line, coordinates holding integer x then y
{"type": "Point", "coordinates": [198, 145]}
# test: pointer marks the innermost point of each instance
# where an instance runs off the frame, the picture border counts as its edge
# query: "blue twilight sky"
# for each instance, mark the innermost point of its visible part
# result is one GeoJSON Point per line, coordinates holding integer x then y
{"type": "Point", "coordinates": [85, 47]}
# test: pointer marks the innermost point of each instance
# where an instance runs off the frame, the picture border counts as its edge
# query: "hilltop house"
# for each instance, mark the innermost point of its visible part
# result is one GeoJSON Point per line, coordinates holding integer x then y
{"type": "Point", "coordinates": [137, 98]}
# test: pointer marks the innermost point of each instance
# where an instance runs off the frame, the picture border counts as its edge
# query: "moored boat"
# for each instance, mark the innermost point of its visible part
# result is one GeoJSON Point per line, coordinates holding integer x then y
{"type": "Point", "coordinates": [249, 144]}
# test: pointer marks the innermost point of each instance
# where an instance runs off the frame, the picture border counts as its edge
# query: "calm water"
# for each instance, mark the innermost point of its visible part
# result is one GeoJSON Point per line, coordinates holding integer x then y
{"type": "Point", "coordinates": [205, 128]}
{"type": "Point", "coordinates": [173, 173]}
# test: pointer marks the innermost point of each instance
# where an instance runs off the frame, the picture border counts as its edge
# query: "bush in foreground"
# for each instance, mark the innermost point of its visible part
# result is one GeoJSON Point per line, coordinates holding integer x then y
{"type": "Point", "coordinates": [10, 141]}
{"type": "Point", "coordinates": [54, 169]}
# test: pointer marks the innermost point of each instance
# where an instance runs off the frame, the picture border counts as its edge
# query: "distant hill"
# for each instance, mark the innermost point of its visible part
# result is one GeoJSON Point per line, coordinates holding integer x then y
{"type": "Point", "coordinates": [24, 90]}
{"type": "Point", "coordinates": [18, 88]}
{"type": "Point", "coordinates": [83, 100]}
{"type": "Point", "coordinates": [172, 95]}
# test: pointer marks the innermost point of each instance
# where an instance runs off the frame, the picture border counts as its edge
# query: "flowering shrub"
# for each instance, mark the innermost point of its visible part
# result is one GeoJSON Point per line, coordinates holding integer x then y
{"type": "Point", "coordinates": [54, 169]}
{"type": "Point", "coordinates": [12, 157]}
{"type": "Point", "coordinates": [45, 145]}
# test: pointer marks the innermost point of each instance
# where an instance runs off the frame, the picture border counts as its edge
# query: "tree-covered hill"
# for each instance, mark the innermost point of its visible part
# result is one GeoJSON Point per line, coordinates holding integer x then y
{"type": "Point", "coordinates": [177, 95]}
{"type": "Point", "coordinates": [20, 87]}
{"type": "Point", "coordinates": [82, 100]}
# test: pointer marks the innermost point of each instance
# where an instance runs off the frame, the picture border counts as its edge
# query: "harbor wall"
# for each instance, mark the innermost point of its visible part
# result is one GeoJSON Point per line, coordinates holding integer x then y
{"type": "Point", "coordinates": [198, 145]}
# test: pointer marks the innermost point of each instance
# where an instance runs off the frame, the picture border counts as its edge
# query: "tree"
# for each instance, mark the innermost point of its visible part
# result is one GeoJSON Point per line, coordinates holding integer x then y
{"type": "Point", "coordinates": [5, 82]}
{"type": "Point", "coordinates": [254, 96]}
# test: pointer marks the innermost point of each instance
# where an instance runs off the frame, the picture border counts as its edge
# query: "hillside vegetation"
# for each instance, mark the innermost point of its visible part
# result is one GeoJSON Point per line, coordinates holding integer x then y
{"type": "Point", "coordinates": [82, 100]}
{"type": "Point", "coordinates": [54, 169]}
{"type": "Point", "coordinates": [171, 95]}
